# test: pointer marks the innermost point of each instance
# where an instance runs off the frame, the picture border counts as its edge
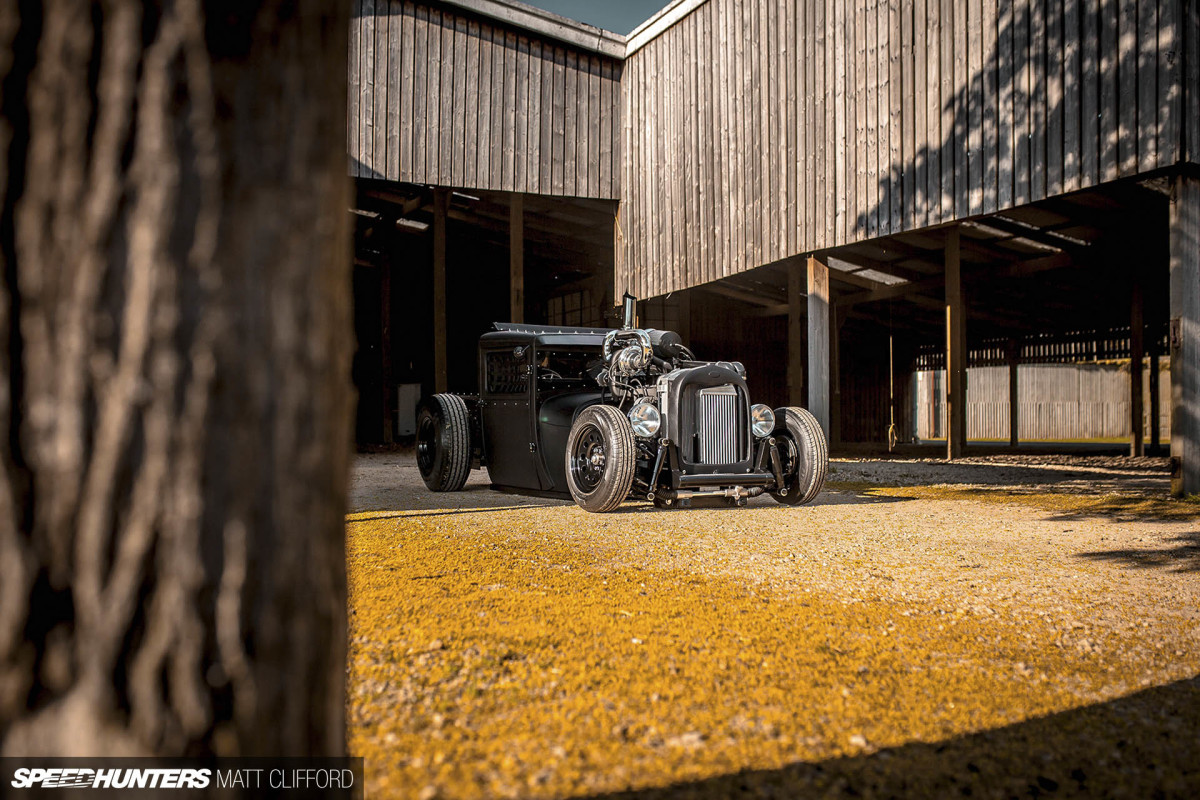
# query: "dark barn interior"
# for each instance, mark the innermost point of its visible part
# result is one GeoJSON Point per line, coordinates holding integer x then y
{"type": "Point", "coordinates": [566, 272]}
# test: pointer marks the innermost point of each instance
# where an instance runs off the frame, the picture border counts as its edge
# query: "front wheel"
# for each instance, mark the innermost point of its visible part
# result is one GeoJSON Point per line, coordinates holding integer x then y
{"type": "Point", "coordinates": [600, 458]}
{"type": "Point", "coordinates": [804, 453]}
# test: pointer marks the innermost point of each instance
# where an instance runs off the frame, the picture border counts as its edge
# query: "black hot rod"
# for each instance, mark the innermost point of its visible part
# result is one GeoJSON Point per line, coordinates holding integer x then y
{"type": "Point", "coordinates": [608, 415]}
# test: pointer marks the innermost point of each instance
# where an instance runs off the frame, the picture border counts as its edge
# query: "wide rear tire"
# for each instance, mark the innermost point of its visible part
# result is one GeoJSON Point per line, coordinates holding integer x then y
{"type": "Point", "coordinates": [804, 453]}
{"type": "Point", "coordinates": [444, 443]}
{"type": "Point", "coordinates": [600, 459]}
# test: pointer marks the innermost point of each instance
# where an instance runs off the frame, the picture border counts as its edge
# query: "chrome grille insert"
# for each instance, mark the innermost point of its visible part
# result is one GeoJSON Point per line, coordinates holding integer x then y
{"type": "Point", "coordinates": [717, 425]}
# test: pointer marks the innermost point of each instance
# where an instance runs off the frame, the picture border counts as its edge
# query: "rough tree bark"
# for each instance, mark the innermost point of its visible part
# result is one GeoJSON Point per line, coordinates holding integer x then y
{"type": "Point", "coordinates": [175, 346]}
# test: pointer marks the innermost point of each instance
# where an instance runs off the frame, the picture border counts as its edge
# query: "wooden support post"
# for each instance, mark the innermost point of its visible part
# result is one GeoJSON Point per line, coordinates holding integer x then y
{"type": "Point", "coordinates": [795, 340]}
{"type": "Point", "coordinates": [441, 207]}
{"type": "Point", "coordinates": [1014, 394]}
{"type": "Point", "coordinates": [1184, 336]}
{"type": "Point", "coordinates": [385, 343]}
{"type": "Point", "coordinates": [837, 316]}
{"type": "Point", "coordinates": [956, 351]}
{"type": "Point", "coordinates": [1155, 389]}
{"type": "Point", "coordinates": [516, 258]}
{"type": "Point", "coordinates": [1137, 330]}
{"type": "Point", "coordinates": [818, 342]}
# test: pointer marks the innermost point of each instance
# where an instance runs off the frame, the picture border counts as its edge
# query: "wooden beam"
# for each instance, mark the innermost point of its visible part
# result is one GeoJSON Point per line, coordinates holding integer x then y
{"type": "Point", "coordinates": [1013, 229]}
{"type": "Point", "coordinates": [984, 251]}
{"type": "Point", "coordinates": [888, 292]}
{"type": "Point", "coordinates": [441, 205]}
{"type": "Point", "coordinates": [516, 259]}
{"type": "Point", "coordinates": [1033, 266]}
{"type": "Point", "coordinates": [742, 295]}
{"type": "Point", "coordinates": [895, 268]}
{"type": "Point", "coordinates": [797, 297]}
{"type": "Point", "coordinates": [544, 23]}
{"type": "Point", "coordinates": [818, 342]}
{"type": "Point", "coordinates": [1185, 335]}
{"type": "Point", "coordinates": [855, 279]}
{"type": "Point", "coordinates": [956, 351]}
{"type": "Point", "coordinates": [404, 203]}
{"type": "Point", "coordinates": [1019, 269]}
{"type": "Point", "coordinates": [1137, 329]}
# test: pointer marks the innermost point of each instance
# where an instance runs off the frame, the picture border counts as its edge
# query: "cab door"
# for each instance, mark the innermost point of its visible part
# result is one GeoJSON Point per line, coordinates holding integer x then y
{"type": "Point", "coordinates": [506, 413]}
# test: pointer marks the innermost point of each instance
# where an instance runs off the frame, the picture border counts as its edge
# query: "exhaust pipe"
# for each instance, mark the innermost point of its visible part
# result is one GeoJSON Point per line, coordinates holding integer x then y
{"type": "Point", "coordinates": [629, 303]}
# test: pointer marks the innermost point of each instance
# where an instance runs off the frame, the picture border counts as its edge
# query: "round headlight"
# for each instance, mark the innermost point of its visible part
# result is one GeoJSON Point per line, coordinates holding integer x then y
{"type": "Point", "coordinates": [645, 419]}
{"type": "Point", "coordinates": [762, 420]}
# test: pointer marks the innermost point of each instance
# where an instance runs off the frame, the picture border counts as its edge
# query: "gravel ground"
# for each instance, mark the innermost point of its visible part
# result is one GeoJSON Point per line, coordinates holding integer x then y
{"type": "Point", "coordinates": [996, 627]}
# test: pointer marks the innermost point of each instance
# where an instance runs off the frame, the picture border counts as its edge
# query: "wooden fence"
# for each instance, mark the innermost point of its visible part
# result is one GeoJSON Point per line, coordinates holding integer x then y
{"type": "Point", "coordinates": [1057, 402]}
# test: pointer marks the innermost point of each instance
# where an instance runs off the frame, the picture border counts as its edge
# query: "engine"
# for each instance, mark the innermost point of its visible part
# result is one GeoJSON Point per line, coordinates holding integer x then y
{"type": "Point", "coordinates": [634, 359]}
{"type": "Point", "coordinates": [703, 407]}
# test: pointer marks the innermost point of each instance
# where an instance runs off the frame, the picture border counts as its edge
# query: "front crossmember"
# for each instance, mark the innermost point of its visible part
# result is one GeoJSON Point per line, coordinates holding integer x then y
{"type": "Point", "coordinates": [766, 475]}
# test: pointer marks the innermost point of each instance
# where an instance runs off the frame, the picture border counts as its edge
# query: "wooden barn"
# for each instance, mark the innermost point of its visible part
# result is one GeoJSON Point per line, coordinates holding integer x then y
{"type": "Point", "coordinates": [839, 193]}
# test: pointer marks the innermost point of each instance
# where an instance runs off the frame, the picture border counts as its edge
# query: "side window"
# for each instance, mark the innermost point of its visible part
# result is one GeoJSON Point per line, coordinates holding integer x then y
{"type": "Point", "coordinates": [507, 373]}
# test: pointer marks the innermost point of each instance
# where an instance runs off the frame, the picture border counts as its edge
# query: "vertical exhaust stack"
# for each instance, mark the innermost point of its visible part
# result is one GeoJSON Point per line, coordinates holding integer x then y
{"type": "Point", "coordinates": [629, 302]}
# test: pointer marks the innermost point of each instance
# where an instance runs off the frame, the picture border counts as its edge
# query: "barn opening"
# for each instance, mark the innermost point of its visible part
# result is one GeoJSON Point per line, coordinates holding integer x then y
{"type": "Point", "coordinates": [897, 216]}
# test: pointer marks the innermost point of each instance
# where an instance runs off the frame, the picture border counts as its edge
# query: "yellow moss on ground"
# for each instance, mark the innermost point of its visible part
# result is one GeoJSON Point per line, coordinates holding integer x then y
{"type": "Point", "coordinates": [493, 658]}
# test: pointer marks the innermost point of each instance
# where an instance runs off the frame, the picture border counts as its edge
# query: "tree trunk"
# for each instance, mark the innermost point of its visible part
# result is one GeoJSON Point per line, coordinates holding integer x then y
{"type": "Point", "coordinates": [175, 344]}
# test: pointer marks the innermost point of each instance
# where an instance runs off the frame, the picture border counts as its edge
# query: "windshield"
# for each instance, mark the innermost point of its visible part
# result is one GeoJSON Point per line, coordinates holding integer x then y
{"type": "Point", "coordinates": [568, 365]}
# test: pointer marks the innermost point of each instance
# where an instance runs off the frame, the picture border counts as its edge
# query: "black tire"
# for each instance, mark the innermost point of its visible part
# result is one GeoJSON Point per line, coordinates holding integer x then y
{"type": "Point", "coordinates": [804, 453]}
{"type": "Point", "coordinates": [444, 443]}
{"type": "Point", "coordinates": [600, 459]}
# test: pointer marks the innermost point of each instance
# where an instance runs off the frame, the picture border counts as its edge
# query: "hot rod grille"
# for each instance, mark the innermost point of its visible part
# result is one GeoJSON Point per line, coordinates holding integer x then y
{"type": "Point", "coordinates": [717, 425]}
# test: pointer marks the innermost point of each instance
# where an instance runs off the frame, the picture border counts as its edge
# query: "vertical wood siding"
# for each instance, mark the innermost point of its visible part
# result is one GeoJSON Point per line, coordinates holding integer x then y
{"type": "Point", "coordinates": [1056, 402]}
{"type": "Point", "coordinates": [438, 96]}
{"type": "Point", "coordinates": [761, 130]}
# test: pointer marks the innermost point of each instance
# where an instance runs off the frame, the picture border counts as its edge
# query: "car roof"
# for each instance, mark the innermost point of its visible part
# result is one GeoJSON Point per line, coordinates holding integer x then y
{"type": "Point", "coordinates": [511, 333]}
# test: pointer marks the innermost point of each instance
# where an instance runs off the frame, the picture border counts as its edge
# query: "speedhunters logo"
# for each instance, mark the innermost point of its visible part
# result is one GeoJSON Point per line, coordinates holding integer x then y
{"type": "Point", "coordinates": [290, 778]}
{"type": "Point", "coordinates": [84, 778]}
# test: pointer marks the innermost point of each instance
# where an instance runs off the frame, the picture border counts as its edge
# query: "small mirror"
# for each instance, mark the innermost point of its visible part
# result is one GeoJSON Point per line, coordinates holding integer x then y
{"type": "Point", "coordinates": [630, 307]}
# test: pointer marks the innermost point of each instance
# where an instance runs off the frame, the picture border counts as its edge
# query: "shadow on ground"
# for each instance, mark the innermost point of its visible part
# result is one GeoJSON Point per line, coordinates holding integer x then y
{"type": "Point", "coordinates": [389, 485]}
{"type": "Point", "coordinates": [1076, 474]}
{"type": "Point", "coordinates": [1177, 554]}
{"type": "Point", "coordinates": [484, 500]}
{"type": "Point", "coordinates": [1142, 745]}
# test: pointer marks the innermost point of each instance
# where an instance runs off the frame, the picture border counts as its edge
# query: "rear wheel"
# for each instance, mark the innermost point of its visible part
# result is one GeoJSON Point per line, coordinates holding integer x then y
{"type": "Point", "coordinates": [804, 454]}
{"type": "Point", "coordinates": [600, 459]}
{"type": "Point", "coordinates": [444, 443]}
